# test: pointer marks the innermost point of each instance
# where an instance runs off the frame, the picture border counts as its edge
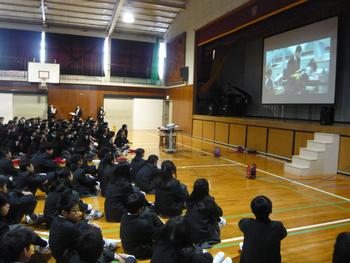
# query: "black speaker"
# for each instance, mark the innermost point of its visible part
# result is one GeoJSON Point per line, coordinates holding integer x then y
{"type": "Point", "coordinates": [184, 73]}
{"type": "Point", "coordinates": [327, 116]}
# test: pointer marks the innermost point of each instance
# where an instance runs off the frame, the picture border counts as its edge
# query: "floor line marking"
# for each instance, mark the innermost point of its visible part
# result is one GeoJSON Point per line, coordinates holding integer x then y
{"type": "Point", "coordinates": [275, 175]}
{"type": "Point", "coordinates": [291, 230]}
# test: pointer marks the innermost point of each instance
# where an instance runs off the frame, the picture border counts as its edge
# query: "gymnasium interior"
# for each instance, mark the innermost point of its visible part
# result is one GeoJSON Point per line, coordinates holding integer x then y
{"type": "Point", "coordinates": [250, 95]}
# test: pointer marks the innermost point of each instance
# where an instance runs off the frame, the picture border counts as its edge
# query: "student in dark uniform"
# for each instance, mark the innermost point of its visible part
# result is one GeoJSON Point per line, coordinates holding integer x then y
{"type": "Point", "coordinates": [341, 253]}
{"type": "Point", "coordinates": [51, 112]}
{"type": "Point", "coordinates": [6, 227]}
{"type": "Point", "coordinates": [64, 229]}
{"type": "Point", "coordinates": [100, 115]}
{"type": "Point", "coordinates": [105, 170]}
{"type": "Point", "coordinates": [6, 165]}
{"type": "Point", "coordinates": [21, 202]}
{"type": "Point", "coordinates": [147, 173]}
{"type": "Point", "coordinates": [78, 113]}
{"type": "Point", "coordinates": [262, 236]}
{"type": "Point", "coordinates": [42, 160]}
{"type": "Point", "coordinates": [85, 184]}
{"type": "Point", "coordinates": [170, 194]}
{"type": "Point", "coordinates": [203, 215]}
{"type": "Point", "coordinates": [139, 230]}
{"type": "Point", "coordinates": [121, 139]}
{"type": "Point", "coordinates": [137, 162]}
{"type": "Point", "coordinates": [118, 190]}
{"type": "Point", "coordinates": [175, 246]}
{"type": "Point", "coordinates": [26, 180]}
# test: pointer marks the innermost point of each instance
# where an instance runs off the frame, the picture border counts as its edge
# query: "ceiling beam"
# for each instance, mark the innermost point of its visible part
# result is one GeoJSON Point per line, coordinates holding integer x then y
{"type": "Point", "coordinates": [166, 3]}
{"type": "Point", "coordinates": [114, 18]}
{"type": "Point", "coordinates": [43, 13]}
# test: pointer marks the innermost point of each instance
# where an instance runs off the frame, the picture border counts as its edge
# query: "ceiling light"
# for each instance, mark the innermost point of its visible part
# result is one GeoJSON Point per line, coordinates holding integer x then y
{"type": "Point", "coordinates": [128, 18]}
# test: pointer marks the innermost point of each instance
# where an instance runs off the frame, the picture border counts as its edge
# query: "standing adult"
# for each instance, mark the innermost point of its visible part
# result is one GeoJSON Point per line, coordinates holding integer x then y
{"type": "Point", "coordinates": [51, 112]}
{"type": "Point", "coordinates": [100, 115]}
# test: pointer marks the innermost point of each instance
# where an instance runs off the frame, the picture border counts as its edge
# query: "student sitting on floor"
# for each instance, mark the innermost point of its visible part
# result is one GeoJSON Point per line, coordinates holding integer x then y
{"type": "Point", "coordinates": [64, 182]}
{"type": "Point", "coordinates": [88, 248]}
{"type": "Point", "coordinates": [341, 252]}
{"type": "Point", "coordinates": [262, 236]}
{"type": "Point", "coordinates": [6, 165]}
{"type": "Point", "coordinates": [105, 168]}
{"type": "Point", "coordinates": [137, 162]}
{"type": "Point", "coordinates": [147, 173]}
{"type": "Point", "coordinates": [175, 246]}
{"type": "Point", "coordinates": [84, 184]}
{"type": "Point", "coordinates": [21, 203]}
{"type": "Point", "coordinates": [43, 159]}
{"type": "Point", "coordinates": [26, 180]}
{"type": "Point", "coordinates": [170, 194]}
{"type": "Point", "coordinates": [64, 229]}
{"type": "Point", "coordinates": [118, 190]}
{"type": "Point", "coordinates": [203, 215]}
{"type": "Point", "coordinates": [5, 226]}
{"type": "Point", "coordinates": [138, 230]}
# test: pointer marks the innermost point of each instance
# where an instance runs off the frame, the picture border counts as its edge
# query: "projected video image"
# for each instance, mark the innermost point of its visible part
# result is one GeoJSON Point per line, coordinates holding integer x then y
{"type": "Point", "coordinates": [298, 69]}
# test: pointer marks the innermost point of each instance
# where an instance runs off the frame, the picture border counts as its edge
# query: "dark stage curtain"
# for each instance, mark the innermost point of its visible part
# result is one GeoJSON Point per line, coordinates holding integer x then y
{"type": "Point", "coordinates": [17, 48]}
{"type": "Point", "coordinates": [77, 55]}
{"type": "Point", "coordinates": [131, 59]}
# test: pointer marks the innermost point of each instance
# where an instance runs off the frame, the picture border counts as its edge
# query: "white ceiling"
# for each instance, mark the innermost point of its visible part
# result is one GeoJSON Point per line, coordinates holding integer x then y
{"type": "Point", "coordinates": [100, 17]}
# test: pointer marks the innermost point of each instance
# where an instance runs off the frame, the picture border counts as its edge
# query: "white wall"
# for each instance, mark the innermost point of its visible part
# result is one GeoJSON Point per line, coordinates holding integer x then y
{"type": "Point", "coordinates": [6, 106]}
{"type": "Point", "coordinates": [30, 106]}
{"type": "Point", "coordinates": [197, 14]}
{"type": "Point", "coordinates": [148, 113]}
{"type": "Point", "coordinates": [119, 112]}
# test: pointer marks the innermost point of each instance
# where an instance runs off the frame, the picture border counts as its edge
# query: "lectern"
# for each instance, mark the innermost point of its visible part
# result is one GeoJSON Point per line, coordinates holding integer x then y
{"type": "Point", "coordinates": [169, 132]}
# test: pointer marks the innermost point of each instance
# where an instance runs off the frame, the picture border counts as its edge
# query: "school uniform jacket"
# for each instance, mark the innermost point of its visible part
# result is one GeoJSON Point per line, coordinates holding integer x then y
{"type": "Point", "coordinates": [145, 177]}
{"type": "Point", "coordinates": [203, 216]}
{"type": "Point", "coordinates": [262, 240]}
{"type": "Point", "coordinates": [138, 232]}
{"type": "Point", "coordinates": [170, 199]}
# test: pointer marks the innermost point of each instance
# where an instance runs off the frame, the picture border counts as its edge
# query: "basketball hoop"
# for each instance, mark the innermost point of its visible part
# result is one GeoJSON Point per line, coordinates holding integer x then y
{"type": "Point", "coordinates": [43, 84]}
{"type": "Point", "coordinates": [43, 76]}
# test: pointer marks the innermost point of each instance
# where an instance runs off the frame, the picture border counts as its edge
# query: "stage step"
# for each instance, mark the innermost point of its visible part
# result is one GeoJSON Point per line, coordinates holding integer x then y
{"type": "Point", "coordinates": [319, 157]}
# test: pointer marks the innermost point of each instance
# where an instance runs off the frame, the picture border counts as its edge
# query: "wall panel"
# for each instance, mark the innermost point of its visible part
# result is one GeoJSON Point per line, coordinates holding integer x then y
{"type": "Point", "coordinates": [208, 130]}
{"type": "Point", "coordinates": [221, 132]}
{"type": "Point", "coordinates": [344, 154]}
{"type": "Point", "coordinates": [280, 142]}
{"type": "Point", "coordinates": [237, 134]}
{"type": "Point", "coordinates": [257, 138]}
{"type": "Point", "coordinates": [197, 128]}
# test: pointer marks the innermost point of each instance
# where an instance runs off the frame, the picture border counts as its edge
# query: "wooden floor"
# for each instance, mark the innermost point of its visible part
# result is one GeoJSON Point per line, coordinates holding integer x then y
{"type": "Point", "coordinates": [314, 209]}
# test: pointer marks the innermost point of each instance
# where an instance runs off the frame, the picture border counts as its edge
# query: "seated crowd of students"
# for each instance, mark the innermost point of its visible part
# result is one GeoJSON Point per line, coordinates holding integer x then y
{"type": "Point", "coordinates": [193, 220]}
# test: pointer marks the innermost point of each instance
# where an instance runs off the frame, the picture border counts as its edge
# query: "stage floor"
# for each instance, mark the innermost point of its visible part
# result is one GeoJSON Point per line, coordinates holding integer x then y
{"type": "Point", "coordinates": [314, 209]}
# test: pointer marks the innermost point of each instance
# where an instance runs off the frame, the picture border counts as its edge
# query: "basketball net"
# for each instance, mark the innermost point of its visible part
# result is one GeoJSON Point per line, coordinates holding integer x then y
{"type": "Point", "coordinates": [43, 84]}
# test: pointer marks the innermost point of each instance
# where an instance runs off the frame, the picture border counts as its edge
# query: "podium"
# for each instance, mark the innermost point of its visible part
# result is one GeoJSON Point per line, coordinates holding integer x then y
{"type": "Point", "coordinates": [168, 134]}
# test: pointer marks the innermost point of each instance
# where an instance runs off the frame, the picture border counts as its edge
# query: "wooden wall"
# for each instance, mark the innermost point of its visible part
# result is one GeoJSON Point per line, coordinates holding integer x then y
{"type": "Point", "coordinates": [182, 98]}
{"type": "Point", "coordinates": [278, 138]}
{"type": "Point", "coordinates": [66, 97]}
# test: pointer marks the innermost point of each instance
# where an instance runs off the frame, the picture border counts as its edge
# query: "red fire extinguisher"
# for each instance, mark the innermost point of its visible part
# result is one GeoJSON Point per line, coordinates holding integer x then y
{"type": "Point", "coordinates": [251, 171]}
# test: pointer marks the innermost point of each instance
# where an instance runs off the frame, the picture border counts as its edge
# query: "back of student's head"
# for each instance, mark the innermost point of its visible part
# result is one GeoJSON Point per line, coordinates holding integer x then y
{"type": "Point", "coordinates": [152, 159]}
{"type": "Point", "coordinates": [341, 252]}
{"type": "Point", "coordinates": [46, 146]}
{"type": "Point", "coordinates": [139, 152]}
{"type": "Point", "coordinates": [175, 231]}
{"type": "Point", "coordinates": [63, 180]}
{"type": "Point", "coordinates": [261, 207]}
{"type": "Point", "coordinates": [200, 189]}
{"type": "Point", "coordinates": [135, 203]}
{"type": "Point", "coordinates": [120, 173]}
{"type": "Point", "coordinates": [90, 243]}
{"type": "Point", "coordinates": [15, 246]}
{"type": "Point", "coordinates": [168, 167]}
{"type": "Point", "coordinates": [67, 201]}
{"type": "Point", "coordinates": [24, 163]}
